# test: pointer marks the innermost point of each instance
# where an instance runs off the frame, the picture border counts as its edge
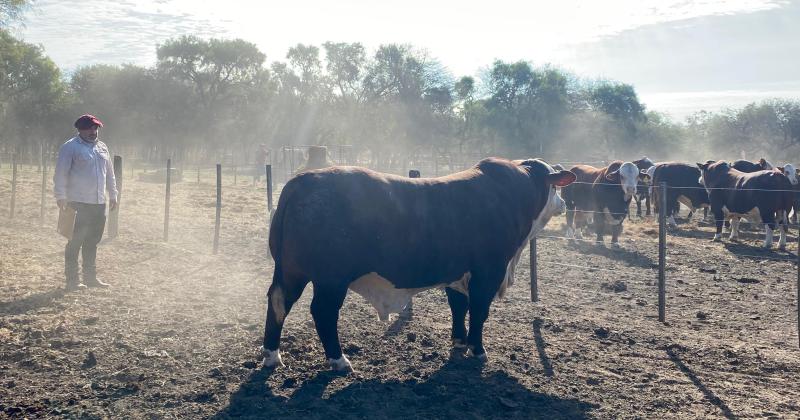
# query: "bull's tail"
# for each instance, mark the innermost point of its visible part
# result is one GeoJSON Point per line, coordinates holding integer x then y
{"type": "Point", "coordinates": [277, 223]}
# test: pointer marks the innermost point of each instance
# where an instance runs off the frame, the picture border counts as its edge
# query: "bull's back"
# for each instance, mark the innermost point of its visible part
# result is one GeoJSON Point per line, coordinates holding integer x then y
{"type": "Point", "coordinates": [350, 222]}
{"type": "Point", "coordinates": [768, 190]}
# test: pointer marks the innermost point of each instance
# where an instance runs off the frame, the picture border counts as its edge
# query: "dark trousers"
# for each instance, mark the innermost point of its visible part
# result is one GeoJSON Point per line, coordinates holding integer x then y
{"type": "Point", "coordinates": [90, 220]}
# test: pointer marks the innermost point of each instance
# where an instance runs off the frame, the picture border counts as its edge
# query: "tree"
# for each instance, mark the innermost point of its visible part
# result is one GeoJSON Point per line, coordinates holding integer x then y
{"type": "Point", "coordinates": [220, 73]}
{"type": "Point", "coordinates": [31, 90]}
{"type": "Point", "coordinates": [526, 106]}
{"type": "Point", "coordinates": [215, 68]}
{"type": "Point", "coordinates": [345, 66]}
{"type": "Point", "coordinates": [620, 102]}
{"type": "Point", "coordinates": [11, 10]}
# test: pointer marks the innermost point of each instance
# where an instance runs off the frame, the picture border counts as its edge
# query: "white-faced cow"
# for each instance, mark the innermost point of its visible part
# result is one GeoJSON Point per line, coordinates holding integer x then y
{"type": "Point", "coordinates": [749, 167]}
{"type": "Point", "coordinates": [642, 187]}
{"type": "Point", "coordinates": [602, 195]}
{"type": "Point", "coordinates": [794, 176]}
{"type": "Point", "coordinates": [763, 195]}
{"type": "Point", "coordinates": [388, 237]}
{"type": "Point", "coordinates": [683, 187]}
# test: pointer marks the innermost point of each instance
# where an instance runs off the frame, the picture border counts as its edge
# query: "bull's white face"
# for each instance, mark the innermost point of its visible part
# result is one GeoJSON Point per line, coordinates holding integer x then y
{"type": "Point", "coordinates": [628, 177]}
{"type": "Point", "coordinates": [651, 171]}
{"type": "Point", "coordinates": [790, 172]}
{"type": "Point", "coordinates": [555, 205]}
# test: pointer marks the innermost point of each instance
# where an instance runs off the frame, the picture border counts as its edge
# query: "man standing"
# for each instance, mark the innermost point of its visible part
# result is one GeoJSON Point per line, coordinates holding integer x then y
{"type": "Point", "coordinates": [83, 174]}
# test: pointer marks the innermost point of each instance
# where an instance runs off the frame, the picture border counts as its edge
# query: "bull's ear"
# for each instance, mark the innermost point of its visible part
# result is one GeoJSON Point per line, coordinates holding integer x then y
{"type": "Point", "coordinates": [702, 166]}
{"type": "Point", "coordinates": [613, 176]}
{"type": "Point", "coordinates": [561, 178]}
{"type": "Point", "coordinates": [762, 161]}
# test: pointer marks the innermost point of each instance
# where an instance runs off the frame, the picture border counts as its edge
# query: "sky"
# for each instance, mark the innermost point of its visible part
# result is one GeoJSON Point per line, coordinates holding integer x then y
{"type": "Point", "coordinates": [682, 56]}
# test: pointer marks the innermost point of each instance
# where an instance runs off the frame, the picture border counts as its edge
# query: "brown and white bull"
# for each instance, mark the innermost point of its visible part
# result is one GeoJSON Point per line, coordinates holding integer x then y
{"type": "Point", "coordinates": [602, 196]}
{"type": "Point", "coordinates": [763, 195]}
{"type": "Point", "coordinates": [388, 237]}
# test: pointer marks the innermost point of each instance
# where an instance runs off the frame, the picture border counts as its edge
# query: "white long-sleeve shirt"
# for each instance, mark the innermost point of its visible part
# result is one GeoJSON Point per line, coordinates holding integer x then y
{"type": "Point", "coordinates": [84, 172]}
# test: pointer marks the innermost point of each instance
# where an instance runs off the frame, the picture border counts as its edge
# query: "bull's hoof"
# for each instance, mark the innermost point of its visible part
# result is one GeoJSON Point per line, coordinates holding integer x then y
{"type": "Point", "coordinates": [482, 357]}
{"type": "Point", "coordinates": [459, 343]}
{"type": "Point", "coordinates": [716, 239]}
{"type": "Point", "coordinates": [341, 364]}
{"type": "Point", "coordinates": [767, 246]}
{"type": "Point", "coordinates": [272, 358]}
{"type": "Point", "coordinates": [615, 245]}
{"type": "Point", "coordinates": [782, 247]}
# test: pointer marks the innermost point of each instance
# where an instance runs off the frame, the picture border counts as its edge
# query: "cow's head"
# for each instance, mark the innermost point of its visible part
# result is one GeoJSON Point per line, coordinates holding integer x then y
{"type": "Point", "coordinates": [647, 178]}
{"type": "Point", "coordinates": [627, 176]}
{"type": "Point", "coordinates": [644, 163]}
{"type": "Point", "coordinates": [790, 172]}
{"type": "Point", "coordinates": [764, 164]}
{"type": "Point", "coordinates": [546, 180]}
{"type": "Point", "coordinates": [712, 171]}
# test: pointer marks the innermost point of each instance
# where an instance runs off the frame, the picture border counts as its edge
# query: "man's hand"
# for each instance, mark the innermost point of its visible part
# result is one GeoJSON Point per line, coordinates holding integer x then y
{"type": "Point", "coordinates": [62, 204]}
{"type": "Point", "coordinates": [112, 204]}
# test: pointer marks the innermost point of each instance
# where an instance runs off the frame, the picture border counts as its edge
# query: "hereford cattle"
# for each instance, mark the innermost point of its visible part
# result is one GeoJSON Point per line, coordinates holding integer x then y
{"type": "Point", "coordinates": [765, 195]}
{"type": "Point", "coordinates": [602, 195]}
{"type": "Point", "coordinates": [793, 174]}
{"type": "Point", "coordinates": [749, 167]}
{"type": "Point", "coordinates": [388, 237]}
{"type": "Point", "coordinates": [683, 187]}
{"type": "Point", "coordinates": [642, 187]}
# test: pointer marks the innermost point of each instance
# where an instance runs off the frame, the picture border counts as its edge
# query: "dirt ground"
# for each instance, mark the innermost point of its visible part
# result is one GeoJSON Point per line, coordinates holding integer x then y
{"type": "Point", "coordinates": [178, 333]}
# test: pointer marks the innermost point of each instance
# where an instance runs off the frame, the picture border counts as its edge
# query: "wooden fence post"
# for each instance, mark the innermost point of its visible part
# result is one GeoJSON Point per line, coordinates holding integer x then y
{"type": "Point", "coordinates": [219, 207]}
{"type": "Point", "coordinates": [662, 251]}
{"type": "Point", "coordinates": [113, 215]}
{"type": "Point", "coordinates": [268, 173]}
{"type": "Point", "coordinates": [166, 201]}
{"type": "Point", "coordinates": [13, 184]}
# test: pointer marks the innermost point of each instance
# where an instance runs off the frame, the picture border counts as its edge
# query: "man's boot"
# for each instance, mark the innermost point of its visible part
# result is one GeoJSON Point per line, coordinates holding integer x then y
{"type": "Point", "coordinates": [73, 283]}
{"type": "Point", "coordinates": [90, 278]}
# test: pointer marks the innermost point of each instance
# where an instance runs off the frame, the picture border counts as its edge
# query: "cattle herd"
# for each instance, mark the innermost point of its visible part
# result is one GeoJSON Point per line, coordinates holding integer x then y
{"type": "Point", "coordinates": [388, 237]}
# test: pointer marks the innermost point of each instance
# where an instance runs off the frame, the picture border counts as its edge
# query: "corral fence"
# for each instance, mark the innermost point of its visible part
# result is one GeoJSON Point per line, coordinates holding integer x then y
{"type": "Point", "coordinates": [271, 190]}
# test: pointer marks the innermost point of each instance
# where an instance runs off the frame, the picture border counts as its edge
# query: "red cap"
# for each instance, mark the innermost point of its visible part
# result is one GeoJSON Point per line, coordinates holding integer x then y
{"type": "Point", "coordinates": [86, 121]}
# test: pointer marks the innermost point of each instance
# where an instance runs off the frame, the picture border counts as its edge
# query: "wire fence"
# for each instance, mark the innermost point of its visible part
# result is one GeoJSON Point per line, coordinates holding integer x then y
{"type": "Point", "coordinates": [271, 191]}
{"type": "Point", "coordinates": [659, 271]}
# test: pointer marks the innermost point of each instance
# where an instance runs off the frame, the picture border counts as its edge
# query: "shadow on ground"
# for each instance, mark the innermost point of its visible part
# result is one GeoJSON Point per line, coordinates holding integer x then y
{"type": "Point", "coordinates": [30, 303]}
{"type": "Point", "coordinates": [459, 387]}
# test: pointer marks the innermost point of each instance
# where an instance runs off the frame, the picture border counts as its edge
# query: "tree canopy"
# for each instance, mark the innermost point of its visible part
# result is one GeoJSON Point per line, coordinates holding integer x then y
{"type": "Point", "coordinates": [213, 98]}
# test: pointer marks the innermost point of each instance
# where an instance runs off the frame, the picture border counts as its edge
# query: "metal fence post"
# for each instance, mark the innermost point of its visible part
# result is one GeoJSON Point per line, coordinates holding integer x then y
{"type": "Point", "coordinates": [166, 202]}
{"type": "Point", "coordinates": [534, 272]}
{"type": "Point", "coordinates": [662, 251]}
{"type": "Point", "coordinates": [113, 215]}
{"type": "Point", "coordinates": [13, 184]}
{"type": "Point", "coordinates": [219, 207]}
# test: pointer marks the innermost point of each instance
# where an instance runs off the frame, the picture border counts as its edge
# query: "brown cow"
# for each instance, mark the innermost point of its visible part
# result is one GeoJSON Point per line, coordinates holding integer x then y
{"type": "Point", "coordinates": [389, 237]}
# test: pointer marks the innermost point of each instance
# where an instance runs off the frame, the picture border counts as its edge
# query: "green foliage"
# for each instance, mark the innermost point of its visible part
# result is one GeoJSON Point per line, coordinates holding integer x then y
{"type": "Point", "coordinates": [211, 98]}
{"type": "Point", "coordinates": [31, 90]}
{"type": "Point", "coordinates": [11, 10]}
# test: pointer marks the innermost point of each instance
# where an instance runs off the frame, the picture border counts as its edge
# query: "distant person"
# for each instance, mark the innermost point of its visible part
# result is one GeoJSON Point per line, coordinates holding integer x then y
{"type": "Point", "coordinates": [261, 160]}
{"type": "Point", "coordinates": [83, 174]}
